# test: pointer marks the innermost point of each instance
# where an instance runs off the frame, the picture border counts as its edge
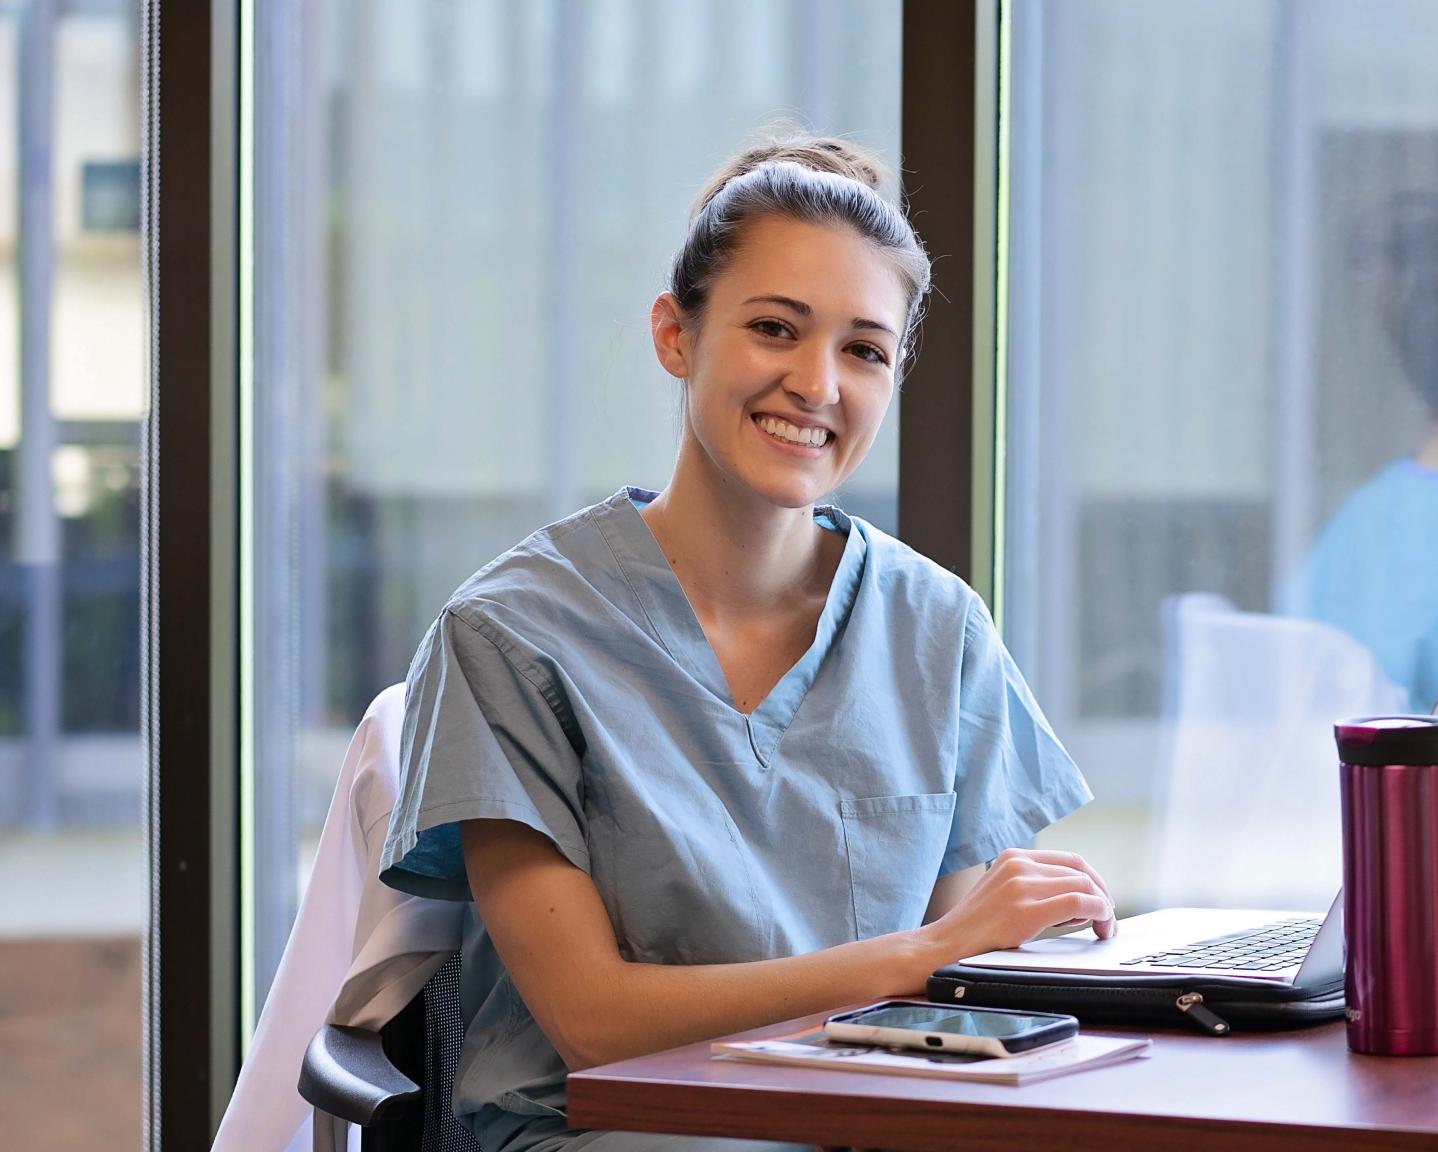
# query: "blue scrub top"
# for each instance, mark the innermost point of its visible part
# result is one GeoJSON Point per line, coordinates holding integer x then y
{"type": "Point", "coordinates": [1371, 574]}
{"type": "Point", "coordinates": [569, 686]}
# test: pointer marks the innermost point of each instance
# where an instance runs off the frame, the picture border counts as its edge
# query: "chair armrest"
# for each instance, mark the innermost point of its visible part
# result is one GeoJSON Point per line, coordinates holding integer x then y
{"type": "Point", "coordinates": [347, 1074]}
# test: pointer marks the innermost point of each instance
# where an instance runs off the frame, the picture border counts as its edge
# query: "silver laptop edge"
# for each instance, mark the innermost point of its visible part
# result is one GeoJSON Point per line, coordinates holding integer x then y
{"type": "Point", "coordinates": [1171, 929]}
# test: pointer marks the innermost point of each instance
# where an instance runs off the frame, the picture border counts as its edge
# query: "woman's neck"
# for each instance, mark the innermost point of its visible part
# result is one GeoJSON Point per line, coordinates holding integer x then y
{"type": "Point", "coordinates": [739, 559]}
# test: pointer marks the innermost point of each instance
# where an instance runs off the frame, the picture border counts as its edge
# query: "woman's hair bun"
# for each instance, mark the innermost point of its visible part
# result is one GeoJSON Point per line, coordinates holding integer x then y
{"type": "Point", "coordinates": [821, 153]}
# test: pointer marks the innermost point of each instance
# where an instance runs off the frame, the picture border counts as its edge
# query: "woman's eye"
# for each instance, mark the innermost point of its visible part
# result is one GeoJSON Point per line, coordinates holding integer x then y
{"type": "Point", "coordinates": [870, 353]}
{"type": "Point", "coordinates": [770, 328]}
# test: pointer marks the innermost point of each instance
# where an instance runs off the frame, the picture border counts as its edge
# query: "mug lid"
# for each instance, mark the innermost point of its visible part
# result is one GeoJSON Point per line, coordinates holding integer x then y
{"type": "Point", "coordinates": [1395, 739]}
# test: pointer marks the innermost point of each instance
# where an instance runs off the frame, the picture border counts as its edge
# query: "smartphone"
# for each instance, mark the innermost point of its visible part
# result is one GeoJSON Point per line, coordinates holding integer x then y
{"type": "Point", "coordinates": [982, 1031]}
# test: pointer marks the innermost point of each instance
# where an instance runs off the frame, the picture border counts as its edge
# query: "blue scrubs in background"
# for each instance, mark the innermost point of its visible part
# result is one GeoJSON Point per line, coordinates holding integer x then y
{"type": "Point", "coordinates": [568, 686]}
{"type": "Point", "coordinates": [1371, 574]}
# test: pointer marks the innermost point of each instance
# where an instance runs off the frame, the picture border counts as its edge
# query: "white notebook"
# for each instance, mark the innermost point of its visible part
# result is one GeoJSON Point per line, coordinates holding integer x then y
{"type": "Point", "coordinates": [811, 1050]}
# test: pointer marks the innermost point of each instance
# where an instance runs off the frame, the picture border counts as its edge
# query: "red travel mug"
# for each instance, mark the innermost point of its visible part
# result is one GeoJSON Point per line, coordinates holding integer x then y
{"type": "Point", "coordinates": [1389, 785]}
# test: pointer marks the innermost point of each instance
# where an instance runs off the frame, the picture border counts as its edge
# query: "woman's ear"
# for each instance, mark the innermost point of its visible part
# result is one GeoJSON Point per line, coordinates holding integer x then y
{"type": "Point", "coordinates": [672, 343]}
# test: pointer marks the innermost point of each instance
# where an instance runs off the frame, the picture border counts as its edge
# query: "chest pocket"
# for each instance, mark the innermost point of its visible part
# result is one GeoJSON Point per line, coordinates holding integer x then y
{"type": "Point", "coordinates": [895, 845]}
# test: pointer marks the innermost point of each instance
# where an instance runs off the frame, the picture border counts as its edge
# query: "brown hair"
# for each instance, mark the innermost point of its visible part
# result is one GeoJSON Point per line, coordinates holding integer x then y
{"type": "Point", "coordinates": [814, 179]}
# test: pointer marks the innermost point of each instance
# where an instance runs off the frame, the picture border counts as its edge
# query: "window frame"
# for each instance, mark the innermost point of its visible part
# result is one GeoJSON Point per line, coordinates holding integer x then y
{"type": "Point", "coordinates": [950, 455]}
{"type": "Point", "coordinates": [188, 585]}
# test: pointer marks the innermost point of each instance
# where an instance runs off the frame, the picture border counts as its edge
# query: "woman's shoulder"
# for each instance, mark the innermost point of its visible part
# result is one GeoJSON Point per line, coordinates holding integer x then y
{"type": "Point", "coordinates": [555, 572]}
{"type": "Point", "coordinates": [909, 579]}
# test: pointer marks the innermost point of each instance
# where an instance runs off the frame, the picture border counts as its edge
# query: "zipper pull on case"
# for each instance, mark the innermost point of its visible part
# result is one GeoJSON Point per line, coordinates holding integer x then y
{"type": "Point", "coordinates": [1191, 1005]}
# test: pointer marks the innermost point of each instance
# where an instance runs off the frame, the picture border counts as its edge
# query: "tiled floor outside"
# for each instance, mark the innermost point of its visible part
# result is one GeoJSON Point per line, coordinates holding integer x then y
{"type": "Point", "coordinates": [70, 1044]}
{"type": "Point", "coordinates": [72, 907]}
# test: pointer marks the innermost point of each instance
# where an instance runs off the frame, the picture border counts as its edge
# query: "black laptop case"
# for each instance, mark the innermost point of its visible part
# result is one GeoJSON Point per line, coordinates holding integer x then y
{"type": "Point", "coordinates": [1215, 1004]}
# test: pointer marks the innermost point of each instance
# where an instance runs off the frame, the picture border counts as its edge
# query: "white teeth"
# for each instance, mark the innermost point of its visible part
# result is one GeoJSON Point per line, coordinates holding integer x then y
{"type": "Point", "coordinates": [817, 437]}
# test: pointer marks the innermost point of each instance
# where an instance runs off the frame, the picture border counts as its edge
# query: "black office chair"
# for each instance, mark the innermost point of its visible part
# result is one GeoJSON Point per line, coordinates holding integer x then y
{"type": "Point", "coordinates": [396, 1084]}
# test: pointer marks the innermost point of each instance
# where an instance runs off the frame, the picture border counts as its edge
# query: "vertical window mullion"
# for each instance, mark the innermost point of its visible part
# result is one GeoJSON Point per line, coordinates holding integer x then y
{"type": "Point", "coordinates": [950, 147]}
{"type": "Point", "coordinates": [188, 570]}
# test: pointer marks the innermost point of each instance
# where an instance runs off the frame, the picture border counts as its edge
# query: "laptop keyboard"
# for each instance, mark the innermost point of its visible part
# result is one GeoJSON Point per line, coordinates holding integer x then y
{"type": "Point", "coordinates": [1281, 944]}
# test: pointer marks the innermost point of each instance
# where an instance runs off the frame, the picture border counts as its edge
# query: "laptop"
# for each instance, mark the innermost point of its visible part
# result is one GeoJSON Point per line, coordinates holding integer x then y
{"type": "Point", "coordinates": [1267, 948]}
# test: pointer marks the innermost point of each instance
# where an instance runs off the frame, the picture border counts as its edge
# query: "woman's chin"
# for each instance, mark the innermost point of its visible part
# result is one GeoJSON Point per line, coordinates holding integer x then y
{"type": "Point", "coordinates": [791, 495]}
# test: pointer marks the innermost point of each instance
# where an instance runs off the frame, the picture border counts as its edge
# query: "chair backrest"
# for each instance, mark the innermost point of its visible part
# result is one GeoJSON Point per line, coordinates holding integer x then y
{"type": "Point", "coordinates": [423, 1041]}
{"type": "Point", "coordinates": [443, 1039]}
{"type": "Point", "coordinates": [1247, 812]}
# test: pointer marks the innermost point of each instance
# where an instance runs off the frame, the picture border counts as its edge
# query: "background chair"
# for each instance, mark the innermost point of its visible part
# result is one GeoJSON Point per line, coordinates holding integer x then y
{"type": "Point", "coordinates": [1247, 812]}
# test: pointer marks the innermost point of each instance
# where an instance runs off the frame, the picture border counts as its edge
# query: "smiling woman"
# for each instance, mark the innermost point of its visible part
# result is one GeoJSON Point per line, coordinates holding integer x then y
{"type": "Point", "coordinates": [749, 752]}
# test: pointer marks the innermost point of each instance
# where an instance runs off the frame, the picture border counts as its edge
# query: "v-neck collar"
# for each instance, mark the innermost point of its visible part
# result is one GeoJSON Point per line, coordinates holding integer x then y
{"type": "Point", "coordinates": [674, 621]}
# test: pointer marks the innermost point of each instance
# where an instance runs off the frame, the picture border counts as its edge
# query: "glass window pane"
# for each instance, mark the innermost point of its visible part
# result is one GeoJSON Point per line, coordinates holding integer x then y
{"type": "Point", "coordinates": [97, 331]}
{"type": "Point", "coordinates": [9, 233]}
{"type": "Point", "coordinates": [72, 864]}
{"type": "Point", "coordinates": [1224, 348]}
{"type": "Point", "coordinates": [463, 213]}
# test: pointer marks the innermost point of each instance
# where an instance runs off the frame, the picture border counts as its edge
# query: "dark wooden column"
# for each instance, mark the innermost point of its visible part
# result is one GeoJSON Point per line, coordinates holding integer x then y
{"type": "Point", "coordinates": [949, 142]}
{"type": "Point", "coordinates": [188, 620]}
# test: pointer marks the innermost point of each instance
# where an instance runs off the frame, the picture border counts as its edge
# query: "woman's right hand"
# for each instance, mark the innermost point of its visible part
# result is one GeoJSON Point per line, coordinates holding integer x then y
{"type": "Point", "coordinates": [1023, 893]}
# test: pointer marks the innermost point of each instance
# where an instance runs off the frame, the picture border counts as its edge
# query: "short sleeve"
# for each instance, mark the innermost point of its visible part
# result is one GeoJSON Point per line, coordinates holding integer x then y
{"type": "Point", "coordinates": [483, 739]}
{"type": "Point", "coordinates": [1014, 777]}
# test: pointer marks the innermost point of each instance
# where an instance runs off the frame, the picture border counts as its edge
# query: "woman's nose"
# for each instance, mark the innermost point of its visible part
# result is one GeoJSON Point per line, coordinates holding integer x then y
{"type": "Point", "coordinates": [814, 380]}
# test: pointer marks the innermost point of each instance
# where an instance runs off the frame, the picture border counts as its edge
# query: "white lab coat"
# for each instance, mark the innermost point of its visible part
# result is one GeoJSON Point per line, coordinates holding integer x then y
{"type": "Point", "coordinates": [358, 952]}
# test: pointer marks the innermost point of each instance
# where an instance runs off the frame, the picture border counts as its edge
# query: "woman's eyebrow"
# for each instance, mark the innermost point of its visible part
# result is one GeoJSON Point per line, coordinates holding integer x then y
{"type": "Point", "coordinates": [804, 310]}
{"type": "Point", "coordinates": [787, 301]}
{"type": "Point", "coordinates": [860, 322]}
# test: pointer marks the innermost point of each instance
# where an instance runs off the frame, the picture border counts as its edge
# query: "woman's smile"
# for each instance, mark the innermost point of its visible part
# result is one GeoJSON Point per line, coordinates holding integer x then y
{"type": "Point", "coordinates": [797, 440]}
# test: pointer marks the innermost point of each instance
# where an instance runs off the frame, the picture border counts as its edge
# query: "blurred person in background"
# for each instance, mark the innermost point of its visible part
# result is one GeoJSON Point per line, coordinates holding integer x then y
{"type": "Point", "coordinates": [1374, 569]}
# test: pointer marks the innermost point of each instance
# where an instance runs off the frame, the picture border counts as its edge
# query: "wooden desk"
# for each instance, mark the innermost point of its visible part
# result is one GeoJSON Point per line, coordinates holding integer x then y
{"type": "Point", "coordinates": [1300, 1090]}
